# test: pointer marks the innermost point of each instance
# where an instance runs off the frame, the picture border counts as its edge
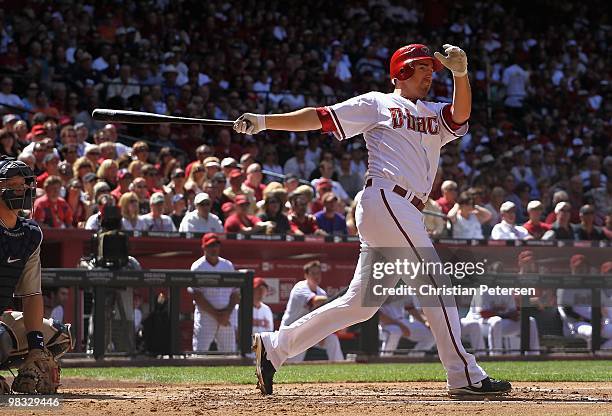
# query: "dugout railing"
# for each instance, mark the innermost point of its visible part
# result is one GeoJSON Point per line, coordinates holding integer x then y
{"type": "Point", "coordinates": [102, 281]}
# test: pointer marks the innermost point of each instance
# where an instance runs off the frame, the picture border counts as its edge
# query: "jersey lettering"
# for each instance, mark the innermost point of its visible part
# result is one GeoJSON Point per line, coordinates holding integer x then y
{"type": "Point", "coordinates": [427, 125]}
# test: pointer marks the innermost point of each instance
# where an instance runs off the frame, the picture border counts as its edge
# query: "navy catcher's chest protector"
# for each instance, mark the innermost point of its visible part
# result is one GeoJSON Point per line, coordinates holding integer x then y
{"type": "Point", "coordinates": [16, 247]}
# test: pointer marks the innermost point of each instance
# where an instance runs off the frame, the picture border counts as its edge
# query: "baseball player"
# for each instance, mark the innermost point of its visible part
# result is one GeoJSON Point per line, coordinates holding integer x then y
{"type": "Point", "coordinates": [394, 325]}
{"type": "Point", "coordinates": [263, 320]}
{"type": "Point", "coordinates": [20, 277]}
{"type": "Point", "coordinates": [306, 296]}
{"type": "Point", "coordinates": [403, 135]}
{"type": "Point", "coordinates": [498, 317]}
{"type": "Point", "coordinates": [215, 317]}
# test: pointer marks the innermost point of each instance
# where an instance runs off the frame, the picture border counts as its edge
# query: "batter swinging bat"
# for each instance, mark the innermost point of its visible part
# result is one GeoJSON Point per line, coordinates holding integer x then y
{"type": "Point", "coordinates": [140, 117]}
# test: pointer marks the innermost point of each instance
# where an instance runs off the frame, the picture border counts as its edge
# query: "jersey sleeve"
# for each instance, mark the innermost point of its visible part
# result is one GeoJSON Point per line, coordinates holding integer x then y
{"type": "Point", "coordinates": [450, 130]}
{"type": "Point", "coordinates": [29, 283]}
{"type": "Point", "coordinates": [303, 295]}
{"type": "Point", "coordinates": [351, 117]}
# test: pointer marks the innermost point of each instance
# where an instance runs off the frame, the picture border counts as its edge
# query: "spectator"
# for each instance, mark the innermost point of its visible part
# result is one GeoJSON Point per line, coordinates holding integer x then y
{"type": "Point", "coordinates": [263, 320]}
{"type": "Point", "coordinates": [201, 220]}
{"type": "Point", "coordinates": [195, 181]}
{"type": "Point", "coordinates": [467, 218]}
{"type": "Point", "coordinates": [237, 187]}
{"type": "Point", "coordinates": [300, 221]}
{"type": "Point", "coordinates": [177, 183]}
{"type": "Point", "coordinates": [434, 224]}
{"type": "Point", "coordinates": [202, 152]}
{"type": "Point", "coordinates": [327, 170]}
{"type": "Point", "coordinates": [130, 220]}
{"type": "Point", "coordinates": [449, 196]}
{"type": "Point", "coordinates": [8, 145]}
{"type": "Point", "coordinates": [601, 198]}
{"type": "Point", "coordinates": [272, 212]}
{"type": "Point", "coordinates": [496, 199]}
{"type": "Point", "coordinates": [348, 179]}
{"type": "Point", "coordinates": [152, 178]}
{"type": "Point", "coordinates": [51, 210]}
{"type": "Point", "coordinates": [110, 135]}
{"type": "Point", "coordinates": [140, 151]}
{"type": "Point", "coordinates": [214, 317]}
{"type": "Point", "coordinates": [253, 180]}
{"type": "Point", "coordinates": [306, 296]}
{"type": "Point", "coordinates": [290, 182]}
{"type": "Point", "coordinates": [270, 164]}
{"type": "Point", "coordinates": [179, 207]}
{"type": "Point", "coordinates": [561, 229]}
{"type": "Point", "coordinates": [123, 86]}
{"type": "Point", "coordinates": [155, 220]}
{"type": "Point", "coordinates": [124, 180]}
{"type": "Point", "coordinates": [328, 219]}
{"type": "Point", "coordinates": [50, 166]}
{"type": "Point", "coordinates": [75, 200]}
{"type": "Point", "coordinates": [6, 94]}
{"type": "Point", "coordinates": [586, 230]}
{"type": "Point", "coordinates": [95, 220]}
{"type": "Point", "coordinates": [298, 164]}
{"type": "Point", "coordinates": [139, 187]}
{"type": "Point", "coordinates": [535, 227]}
{"type": "Point", "coordinates": [242, 222]}
{"type": "Point", "coordinates": [607, 230]}
{"type": "Point", "coordinates": [507, 228]}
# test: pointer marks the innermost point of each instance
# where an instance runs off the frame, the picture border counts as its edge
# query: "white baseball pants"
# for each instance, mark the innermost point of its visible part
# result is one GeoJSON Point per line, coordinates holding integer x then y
{"type": "Point", "coordinates": [206, 329]}
{"type": "Point", "coordinates": [470, 330]}
{"type": "Point", "coordinates": [384, 219]}
{"type": "Point", "coordinates": [497, 328]}
{"type": "Point", "coordinates": [331, 343]}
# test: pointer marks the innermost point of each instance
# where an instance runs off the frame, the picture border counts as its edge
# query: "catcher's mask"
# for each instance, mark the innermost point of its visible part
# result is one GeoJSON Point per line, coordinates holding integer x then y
{"type": "Point", "coordinates": [16, 196]}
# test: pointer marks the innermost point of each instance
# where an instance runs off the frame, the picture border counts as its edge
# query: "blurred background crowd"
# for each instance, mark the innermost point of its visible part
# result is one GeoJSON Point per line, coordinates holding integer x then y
{"type": "Point", "coordinates": [537, 162]}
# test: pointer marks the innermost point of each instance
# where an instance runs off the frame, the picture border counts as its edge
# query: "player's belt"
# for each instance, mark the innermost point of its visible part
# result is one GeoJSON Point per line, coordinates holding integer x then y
{"type": "Point", "coordinates": [418, 204]}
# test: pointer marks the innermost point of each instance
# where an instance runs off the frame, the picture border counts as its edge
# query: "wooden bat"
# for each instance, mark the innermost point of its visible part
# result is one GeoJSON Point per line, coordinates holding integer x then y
{"type": "Point", "coordinates": [140, 117]}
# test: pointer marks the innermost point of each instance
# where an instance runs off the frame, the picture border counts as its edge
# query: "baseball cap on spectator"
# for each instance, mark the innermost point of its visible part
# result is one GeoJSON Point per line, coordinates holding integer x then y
{"type": "Point", "coordinates": [533, 205]}
{"type": "Point", "coordinates": [507, 206]}
{"type": "Point", "coordinates": [487, 160]}
{"type": "Point", "coordinates": [201, 197]}
{"type": "Point", "coordinates": [562, 206]}
{"type": "Point", "coordinates": [89, 177]}
{"type": "Point", "coordinates": [49, 157]}
{"type": "Point", "coordinates": [329, 197]}
{"type": "Point", "coordinates": [10, 118]}
{"type": "Point", "coordinates": [168, 69]}
{"type": "Point", "coordinates": [177, 173]}
{"type": "Point", "coordinates": [178, 197]}
{"type": "Point", "coordinates": [79, 125]}
{"type": "Point", "coordinates": [245, 157]}
{"type": "Point", "coordinates": [100, 187]}
{"type": "Point", "coordinates": [65, 120]}
{"type": "Point", "coordinates": [157, 198]}
{"type": "Point", "coordinates": [211, 162]}
{"type": "Point", "coordinates": [301, 144]}
{"type": "Point", "coordinates": [323, 182]}
{"type": "Point", "coordinates": [38, 129]}
{"type": "Point", "coordinates": [235, 174]}
{"type": "Point", "coordinates": [64, 168]}
{"type": "Point", "coordinates": [241, 200]}
{"type": "Point", "coordinates": [227, 207]}
{"type": "Point", "coordinates": [228, 161]}
{"type": "Point", "coordinates": [258, 282]}
{"type": "Point", "coordinates": [124, 174]}
{"type": "Point", "coordinates": [577, 142]}
{"type": "Point", "coordinates": [209, 239]}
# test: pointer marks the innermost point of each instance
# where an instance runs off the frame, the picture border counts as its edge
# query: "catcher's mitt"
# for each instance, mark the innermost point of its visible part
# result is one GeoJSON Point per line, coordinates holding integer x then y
{"type": "Point", "coordinates": [39, 373]}
{"type": "Point", "coordinates": [4, 387]}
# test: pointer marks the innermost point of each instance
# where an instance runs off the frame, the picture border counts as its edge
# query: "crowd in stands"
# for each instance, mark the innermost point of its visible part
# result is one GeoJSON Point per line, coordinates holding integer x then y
{"type": "Point", "coordinates": [537, 162]}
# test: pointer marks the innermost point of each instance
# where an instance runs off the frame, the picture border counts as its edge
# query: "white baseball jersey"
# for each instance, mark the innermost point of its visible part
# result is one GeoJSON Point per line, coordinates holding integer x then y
{"type": "Point", "coordinates": [217, 296]}
{"type": "Point", "coordinates": [403, 138]}
{"type": "Point", "coordinates": [298, 304]}
{"type": "Point", "coordinates": [395, 306]}
{"type": "Point", "coordinates": [263, 320]}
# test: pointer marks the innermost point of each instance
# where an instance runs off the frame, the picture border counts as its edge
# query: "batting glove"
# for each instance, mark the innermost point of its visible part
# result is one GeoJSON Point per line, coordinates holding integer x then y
{"type": "Point", "coordinates": [455, 59]}
{"type": "Point", "coordinates": [249, 123]}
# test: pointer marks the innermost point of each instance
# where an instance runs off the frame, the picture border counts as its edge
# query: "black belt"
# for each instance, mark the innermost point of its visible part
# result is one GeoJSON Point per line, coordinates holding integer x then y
{"type": "Point", "coordinates": [418, 204]}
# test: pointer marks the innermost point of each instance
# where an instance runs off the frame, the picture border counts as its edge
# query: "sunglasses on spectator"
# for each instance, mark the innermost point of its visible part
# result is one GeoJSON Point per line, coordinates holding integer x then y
{"type": "Point", "coordinates": [326, 189]}
{"type": "Point", "coordinates": [200, 170]}
{"type": "Point", "coordinates": [566, 210]}
{"type": "Point", "coordinates": [151, 173]}
{"type": "Point", "coordinates": [133, 201]}
{"type": "Point", "coordinates": [141, 186]}
{"type": "Point", "coordinates": [141, 149]}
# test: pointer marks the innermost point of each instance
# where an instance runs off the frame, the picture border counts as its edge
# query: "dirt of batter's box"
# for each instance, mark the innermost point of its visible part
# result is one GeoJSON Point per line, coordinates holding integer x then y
{"type": "Point", "coordinates": [89, 397]}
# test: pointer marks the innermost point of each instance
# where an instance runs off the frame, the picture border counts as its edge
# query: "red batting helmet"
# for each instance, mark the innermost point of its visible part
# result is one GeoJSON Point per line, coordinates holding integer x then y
{"type": "Point", "coordinates": [400, 66]}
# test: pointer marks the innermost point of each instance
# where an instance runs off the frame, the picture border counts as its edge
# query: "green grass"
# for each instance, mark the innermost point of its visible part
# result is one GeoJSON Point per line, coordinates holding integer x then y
{"type": "Point", "coordinates": [321, 373]}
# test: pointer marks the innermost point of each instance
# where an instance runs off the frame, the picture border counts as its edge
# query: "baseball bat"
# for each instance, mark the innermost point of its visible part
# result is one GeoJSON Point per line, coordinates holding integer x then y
{"type": "Point", "coordinates": [141, 117]}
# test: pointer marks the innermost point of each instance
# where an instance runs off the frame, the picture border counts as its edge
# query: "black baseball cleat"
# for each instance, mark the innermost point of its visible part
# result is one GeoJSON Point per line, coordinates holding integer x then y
{"type": "Point", "coordinates": [264, 368]}
{"type": "Point", "coordinates": [487, 387]}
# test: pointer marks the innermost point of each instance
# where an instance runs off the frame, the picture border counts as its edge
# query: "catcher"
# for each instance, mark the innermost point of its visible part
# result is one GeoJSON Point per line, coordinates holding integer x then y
{"type": "Point", "coordinates": [21, 333]}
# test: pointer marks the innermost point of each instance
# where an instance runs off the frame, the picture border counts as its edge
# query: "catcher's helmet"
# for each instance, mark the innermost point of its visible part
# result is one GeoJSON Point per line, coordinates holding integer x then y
{"type": "Point", "coordinates": [20, 197]}
{"type": "Point", "coordinates": [401, 67]}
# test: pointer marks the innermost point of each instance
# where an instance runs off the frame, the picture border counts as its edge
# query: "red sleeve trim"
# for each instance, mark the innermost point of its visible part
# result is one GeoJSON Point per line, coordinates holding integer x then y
{"type": "Point", "coordinates": [325, 117]}
{"type": "Point", "coordinates": [448, 118]}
